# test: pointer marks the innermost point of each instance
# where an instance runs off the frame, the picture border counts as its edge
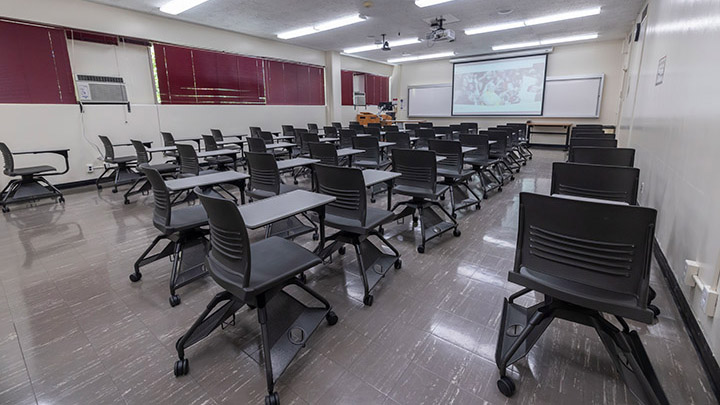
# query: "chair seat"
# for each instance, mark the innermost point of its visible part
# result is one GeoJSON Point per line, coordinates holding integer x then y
{"type": "Point", "coordinates": [476, 161]}
{"type": "Point", "coordinates": [420, 192]}
{"type": "Point", "coordinates": [121, 159]}
{"type": "Point", "coordinates": [613, 302]}
{"type": "Point", "coordinates": [277, 260]}
{"type": "Point", "coordinates": [26, 171]}
{"type": "Point", "coordinates": [374, 218]}
{"type": "Point", "coordinates": [219, 160]}
{"type": "Point", "coordinates": [201, 173]}
{"type": "Point", "coordinates": [183, 219]}
{"type": "Point", "coordinates": [372, 164]}
{"type": "Point", "coordinates": [258, 194]}
{"type": "Point", "coordinates": [164, 168]}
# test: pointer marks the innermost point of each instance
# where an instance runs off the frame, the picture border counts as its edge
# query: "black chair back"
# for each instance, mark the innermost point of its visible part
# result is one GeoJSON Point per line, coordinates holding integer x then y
{"type": "Point", "coordinates": [426, 125]}
{"type": "Point", "coordinates": [8, 159]}
{"type": "Point", "coordinates": [359, 128]}
{"type": "Point", "coordinates": [400, 139]}
{"type": "Point", "coordinates": [500, 147]}
{"type": "Point", "coordinates": [306, 139]}
{"type": "Point", "coordinates": [140, 151]}
{"type": "Point", "coordinates": [599, 142]}
{"type": "Point", "coordinates": [256, 145]}
{"type": "Point", "coordinates": [469, 127]}
{"type": "Point", "coordinates": [330, 131]}
{"type": "Point", "coordinates": [412, 127]}
{"type": "Point", "coordinates": [217, 135]}
{"type": "Point", "coordinates": [613, 183]}
{"type": "Point", "coordinates": [108, 146]}
{"type": "Point", "coordinates": [417, 167]}
{"type": "Point", "coordinates": [312, 128]}
{"type": "Point", "coordinates": [371, 148]}
{"type": "Point", "coordinates": [162, 207]}
{"type": "Point", "coordinates": [337, 125]}
{"type": "Point", "coordinates": [210, 142]}
{"type": "Point", "coordinates": [288, 130]}
{"type": "Point", "coordinates": [255, 132]}
{"type": "Point", "coordinates": [189, 162]}
{"type": "Point", "coordinates": [602, 156]}
{"type": "Point", "coordinates": [481, 144]}
{"type": "Point", "coordinates": [266, 136]}
{"type": "Point", "coordinates": [346, 138]}
{"type": "Point", "coordinates": [325, 152]}
{"type": "Point", "coordinates": [391, 128]}
{"type": "Point", "coordinates": [264, 173]}
{"type": "Point", "coordinates": [347, 185]}
{"type": "Point", "coordinates": [451, 150]}
{"type": "Point", "coordinates": [168, 139]}
{"type": "Point", "coordinates": [424, 135]}
{"type": "Point", "coordinates": [374, 125]}
{"type": "Point", "coordinates": [298, 134]}
{"type": "Point", "coordinates": [455, 127]}
{"type": "Point", "coordinates": [229, 259]}
{"type": "Point", "coordinates": [373, 131]}
{"type": "Point", "coordinates": [586, 248]}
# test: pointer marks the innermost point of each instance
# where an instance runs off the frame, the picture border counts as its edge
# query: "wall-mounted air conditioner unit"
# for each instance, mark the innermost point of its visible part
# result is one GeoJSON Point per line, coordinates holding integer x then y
{"type": "Point", "coordinates": [101, 90]}
{"type": "Point", "coordinates": [359, 98]}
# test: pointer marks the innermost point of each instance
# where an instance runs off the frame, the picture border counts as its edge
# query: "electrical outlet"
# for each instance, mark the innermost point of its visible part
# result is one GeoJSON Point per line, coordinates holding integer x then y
{"type": "Point", "coordinates": [708, 302]}
{"type": "Point", "coordinates": [692, 268]}
{"type": "Point", "coordinates": [90, 168]}
{"type": "Point", "coordinates": [642, 187]}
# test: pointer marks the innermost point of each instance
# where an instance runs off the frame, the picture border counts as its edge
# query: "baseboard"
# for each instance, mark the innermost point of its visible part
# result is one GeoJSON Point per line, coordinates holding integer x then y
{"type": "Point", "coordinates": [74, 184]}
{"type": "Point", "coordinates": [707, 359]}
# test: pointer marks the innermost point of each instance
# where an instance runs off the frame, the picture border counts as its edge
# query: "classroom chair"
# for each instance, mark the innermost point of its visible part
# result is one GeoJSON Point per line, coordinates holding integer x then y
{"type": "Point", "coordinates": [337, 125]}
{"type": "Point", "coordinates": [400, 139]}
{"type": "Point", "coordinates": [31, 185]}
{"type": "Point", "coordinates": [330, 131]}
{"type": "Point", "coordinates": [166, 170]}
{"type": "Point", "coordinates": [469, 127]}
{"type": "Point", "coordinates": [256, 145]}
{"type": "Point", "coordinates": [391, 128]}
{"type": "Point", "coordinates": [325, 152]}
{"type": "Point", "coordinates": [499, 151]}
{"type": "Point", "coordinates": [602, 156]}
{"type": "Point", "coordinates": [254, 274]}
{"type": "Point", "coordinates": [374, 132]}
{"type": "Point", "coordinates": [418, 180]}
{"type": "Point", "coordinates": [183, 230]}
{"type": "Point", "coordinates": [218, 162]}
{"type": "Point", "coordinates": [313, 128]}
{"type": "Point", "coordinates": [356, 222]}
{"type": "Point", "coordinates": [121, 169]}
{"type": "Point", "coordinates": [424, 135]}
{"type": "Point", "coordinates": [452, 170]}
{"type": "Point", "coordinates": [426, 124]}
{"type": "Point", "coordinates": [346, 138]}
{"type": "Point", "coordinates": [288, 130]}
{"type": "Point", "coordinates": [480, 161]}
{"type": "Point", "coordinates": [190, 166]}
{"type": "Point", "coordinates": [374, 125]}
{"type": "Point", "coordinates": [371, 158]}
{"type": "Point", "coordinates": [588, 260]}
{"type": "Point", "coordinates": [265, 182]}
{"type": "Point", "coordinates": [169, 140]}
{"type": "Point", "coordinates": [255, 132]}
{"type": "Point", "coordinates": [612, 183]}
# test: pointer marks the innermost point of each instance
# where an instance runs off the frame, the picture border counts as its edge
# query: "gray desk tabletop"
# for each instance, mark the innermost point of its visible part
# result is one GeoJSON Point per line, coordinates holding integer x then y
{"type": "Point", "coordinates": [439, 158]}
{"type": "Point", "coordinates": [269, 210]}
{"type": "Point", "coordinates": [492, 142]}
{"type": "Point", "coordinates": [279, 145]}
{"type": "Point", "coordinates": [219, 152]}
{"type": "Point", "coordinates": [205, 180]}
{"type": "Point", "coordinates": [161, 149]}
{"type": "Point", "coordinates": [348, 151]}
{"type": "Point", "coordinates": [373, 177]}
{"type": "Point", "coordinates": [295, 162]}
{"type": "Point", "coordinates": [283, 137]}
{"type": "Point", "coordinates": [385, 144]}
{"type": "Point", "coordinates": [235, 142]}
{"type": "Point", "coordinates": [466, 149]}
{"type": "Point", "coordinates": [328, 139]}
{"type": "Point", "coordinates": [595, 200]}
{"type": "Point", "coordinates": [188, 139]}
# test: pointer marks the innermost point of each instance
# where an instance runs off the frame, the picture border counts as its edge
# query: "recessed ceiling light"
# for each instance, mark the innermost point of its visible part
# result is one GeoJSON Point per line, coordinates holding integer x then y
{"type": "Point", "coordinates": [422, 57]}
{"type": "Point", "coordinates": [550, 41]}
{"type": "Point", "coordinates": [329, 25]}
{"type": "Point", "coordinates": [505, 11]}
{"type": "Point", "coordinates": [399, 42]}
{"type": "Point", "coordinates": [176, 7]}
{"type": "Point", "coordinates": [426, 3]}
{"type": "Point", "coordinates": [534, 21]}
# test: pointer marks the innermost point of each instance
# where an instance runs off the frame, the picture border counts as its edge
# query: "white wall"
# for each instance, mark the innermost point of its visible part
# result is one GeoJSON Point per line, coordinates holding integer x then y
{"type": "Point", "coordinates": [33, 126]}
{"type": "Point", "coordinates": [674, 128]}
{"type": "Point", "coordinates": [588, 58]}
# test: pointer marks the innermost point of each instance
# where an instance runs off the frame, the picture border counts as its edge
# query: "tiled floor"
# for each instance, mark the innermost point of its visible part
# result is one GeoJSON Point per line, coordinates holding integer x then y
{"type": "Point", "coordinates": [75, 330]}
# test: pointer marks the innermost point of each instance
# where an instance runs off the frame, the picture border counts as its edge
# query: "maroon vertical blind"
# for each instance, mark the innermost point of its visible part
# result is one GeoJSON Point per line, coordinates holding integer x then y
{"type": "Point", "coordinates": [34, 65]}
{"type": "Point", "coordinates": [295, 84]}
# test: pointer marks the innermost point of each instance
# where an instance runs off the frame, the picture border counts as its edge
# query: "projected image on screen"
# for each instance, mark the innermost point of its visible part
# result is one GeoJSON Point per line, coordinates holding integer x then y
{"type": "Point", "coordinates": [499, 87]}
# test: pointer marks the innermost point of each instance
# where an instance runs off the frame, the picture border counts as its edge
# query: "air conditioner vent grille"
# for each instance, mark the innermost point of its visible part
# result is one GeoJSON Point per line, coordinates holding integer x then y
{"type": "Point", "coordinates": [102, 79]}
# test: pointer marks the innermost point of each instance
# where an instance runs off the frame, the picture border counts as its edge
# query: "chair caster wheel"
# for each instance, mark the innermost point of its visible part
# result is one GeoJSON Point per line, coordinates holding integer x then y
{"type": "Point", "coordinates": [5, 209]}
{"type": "Point", "coordinates": [477, 206]}
{"type": "Point", "coordinates": [517, 171]}
{"type": "Point", "coordinates": [135, 277]}
{"type": "Point", "coordinates": [114, 190]}
{"type": "Point", "coordinates": [315, 236]}
{"type": "Point", "coordinates": [454, 215]}
{"type": "Point", "coordinates": [272, 399]}
{"type": "Point", "coordinates": [651, 295]}
{"type": "Point", "coordinates": [421, 249]}
{"type": "Point", "coordinates": [398, 264]}
{"type": "Point", "coordinates": [381, 230]}
{"type": "Point", "coordinates": [174, 300]}
{"type": "Point", "coordinates": [372, 200]}
{"type": "Point", "coordinates": [302, 277]}
{"type": "Point", "coordinates": [512, 177]}
{"type": "Point", "coordinates": [506, 386]}
{"type": "Point", "coordinates": [456, 233]}
{"type": "Point", "coordinates": [499, 189]}
{"type": "Point", "coordinates": [99, 187]}
{"type": "Point", "coordinates": [341, 250]}
{"type": "Point", "coordinates": [654, 309]}
{"type": "Point", "coordinates": [61, 200]}
{"type": "Point", "coordinates": [368, 300]}
{"type": "Point", "coordinates": [331, 318]}
{"type": "Point", "coordinates": [525, 164]}
{"type": "Point", "coordinates": [182, 367]}
{"type": "Point", "coordinates": [127, 202]}
{"type": "Point", "coordinates": [485, 197]}
{"type": "Point", "coordinates": [442, 197]}
{"type": "Point", "coordinates": [295, 182]}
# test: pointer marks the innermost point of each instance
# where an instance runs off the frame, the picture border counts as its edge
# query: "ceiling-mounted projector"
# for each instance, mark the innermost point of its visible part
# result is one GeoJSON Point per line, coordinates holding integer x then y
{"type": "Point", "coordinates": [440, 35]}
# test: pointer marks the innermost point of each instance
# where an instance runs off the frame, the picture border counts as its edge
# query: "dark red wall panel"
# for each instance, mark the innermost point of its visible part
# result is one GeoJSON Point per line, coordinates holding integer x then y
{"type": "Point", "coordinates": [34, 65]}
{"type": "Point", "coordinates": [346, 87]}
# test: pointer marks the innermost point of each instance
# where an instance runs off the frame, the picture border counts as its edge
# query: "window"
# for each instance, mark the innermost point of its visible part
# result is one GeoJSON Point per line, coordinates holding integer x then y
{"type": "Point", "coordinates": [34, 65]}
{"type": "Point", "coordinates": [295, 84]}
{"type": "Point", "coordinates": [376, 87]}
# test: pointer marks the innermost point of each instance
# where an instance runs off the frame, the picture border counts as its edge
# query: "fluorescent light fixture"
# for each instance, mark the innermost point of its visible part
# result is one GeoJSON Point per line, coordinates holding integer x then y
{"type": "Point", "coordinates": [563, 16]}
{"type": "Point", "coordinates": [329, 25]}
{"type": "Point", "coordinates": [373, 47]}
{"type": "Point", "coordinates": [176, 7]}
{"type": "Point", "coordinates": [534, 21]}
{"type": "Point", "coordinates": [550, 41]}
{"type": "Point", "coordinates": [421, 57]}
{"type": "Point", "coordinates": [426, 3]}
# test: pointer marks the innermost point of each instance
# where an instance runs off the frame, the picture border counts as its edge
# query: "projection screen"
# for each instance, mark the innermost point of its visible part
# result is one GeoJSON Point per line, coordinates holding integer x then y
{"type": "Point", "coordinates": [511, 86]}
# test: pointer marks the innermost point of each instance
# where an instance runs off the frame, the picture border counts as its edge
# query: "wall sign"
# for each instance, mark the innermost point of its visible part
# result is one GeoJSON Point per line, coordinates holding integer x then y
{"type": "Point", "coordinates": [661, 71]}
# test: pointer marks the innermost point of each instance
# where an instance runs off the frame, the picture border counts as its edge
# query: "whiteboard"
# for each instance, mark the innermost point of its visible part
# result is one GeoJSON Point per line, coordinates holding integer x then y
{"type": "Point", "coordinates": [430, 101]}
{"type": "Point", "coordinates": [573, 96]}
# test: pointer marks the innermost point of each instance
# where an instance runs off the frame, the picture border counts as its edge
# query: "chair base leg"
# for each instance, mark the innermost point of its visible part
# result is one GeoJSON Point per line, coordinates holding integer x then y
{"type": "Point", "coordinates": [431, 224]}
{"type": "Point", "coordinates": [28, 189]}
{"type": "Point", "coordinates": [521, 327]}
